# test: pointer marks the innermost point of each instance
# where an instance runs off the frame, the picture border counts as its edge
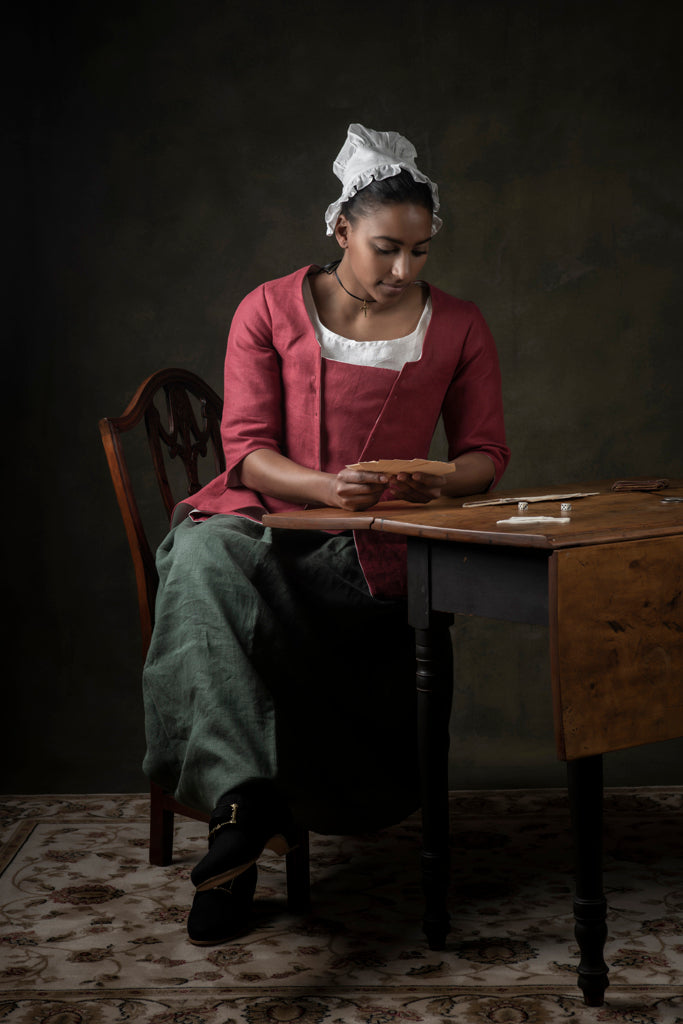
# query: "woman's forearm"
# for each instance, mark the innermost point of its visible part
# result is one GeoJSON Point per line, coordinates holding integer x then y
{"type": "Point", "coordinates": [268, 472]}
{"type": "Point", "coordinates": [474, 473]}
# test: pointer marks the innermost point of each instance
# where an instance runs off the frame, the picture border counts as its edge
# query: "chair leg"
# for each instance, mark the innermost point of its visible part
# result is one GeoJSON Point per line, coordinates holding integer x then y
{"type": "Point", "coordinates": [160, 828]}
{"type": "Point", "coordinates": [298, 875]}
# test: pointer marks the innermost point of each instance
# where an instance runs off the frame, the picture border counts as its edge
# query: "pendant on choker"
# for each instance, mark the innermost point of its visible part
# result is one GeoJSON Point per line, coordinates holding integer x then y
{"type": "Point", "coordinates": [363, 302]}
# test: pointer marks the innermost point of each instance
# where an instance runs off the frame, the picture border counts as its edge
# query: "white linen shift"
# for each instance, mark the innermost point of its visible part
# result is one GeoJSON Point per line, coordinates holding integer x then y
{"type": "Point", "coordinates": [391, 354]}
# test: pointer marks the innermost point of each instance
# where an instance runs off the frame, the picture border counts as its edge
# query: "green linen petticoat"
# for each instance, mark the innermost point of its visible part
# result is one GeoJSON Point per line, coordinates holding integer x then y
{"type": "Point", "coordinates": [270, 659]}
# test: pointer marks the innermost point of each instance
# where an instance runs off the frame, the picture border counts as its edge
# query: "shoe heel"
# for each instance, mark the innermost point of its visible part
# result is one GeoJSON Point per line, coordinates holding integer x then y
{"type": "Point", "coordinates": [280, 845]}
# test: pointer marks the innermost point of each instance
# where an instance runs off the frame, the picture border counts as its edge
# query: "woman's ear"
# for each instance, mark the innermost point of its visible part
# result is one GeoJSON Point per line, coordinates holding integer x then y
{"type": "Point", "coordinates": [341, 231]}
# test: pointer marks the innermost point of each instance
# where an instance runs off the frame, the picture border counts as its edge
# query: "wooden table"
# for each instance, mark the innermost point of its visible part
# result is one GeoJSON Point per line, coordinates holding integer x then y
{"type": "Point", "coordinates": [608, 584]}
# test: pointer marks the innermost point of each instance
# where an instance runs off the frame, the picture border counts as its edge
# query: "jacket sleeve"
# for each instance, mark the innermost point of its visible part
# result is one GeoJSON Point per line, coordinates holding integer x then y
{"type": "Point", "coordinates": [253, 401]}
{"type": "Point", "coordinates": [473, 407]}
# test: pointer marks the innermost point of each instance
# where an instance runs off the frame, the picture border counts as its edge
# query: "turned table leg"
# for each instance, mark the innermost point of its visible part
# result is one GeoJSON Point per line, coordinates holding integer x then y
{"type": "Point", "coordinates": [584, 776]}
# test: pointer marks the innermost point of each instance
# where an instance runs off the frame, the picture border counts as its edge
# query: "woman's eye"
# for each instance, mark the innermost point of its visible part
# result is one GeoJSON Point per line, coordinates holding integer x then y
{"type": "Point", "coordinates": [418, 254]}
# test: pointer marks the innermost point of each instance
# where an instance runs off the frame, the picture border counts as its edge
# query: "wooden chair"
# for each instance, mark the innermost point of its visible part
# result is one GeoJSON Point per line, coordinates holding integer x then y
{"type": "Point", "coordinates": [182, 417]}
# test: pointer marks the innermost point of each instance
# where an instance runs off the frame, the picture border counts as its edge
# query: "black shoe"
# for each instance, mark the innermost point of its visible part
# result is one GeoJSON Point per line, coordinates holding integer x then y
{"type": "Point", "coordinates": [245, 821]}
{"type": "Point", "coordinates": [224, 912]}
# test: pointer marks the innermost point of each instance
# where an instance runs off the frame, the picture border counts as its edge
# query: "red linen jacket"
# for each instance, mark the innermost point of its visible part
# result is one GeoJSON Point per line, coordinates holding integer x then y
{"type": "Point", "coordinates": [273, 399]}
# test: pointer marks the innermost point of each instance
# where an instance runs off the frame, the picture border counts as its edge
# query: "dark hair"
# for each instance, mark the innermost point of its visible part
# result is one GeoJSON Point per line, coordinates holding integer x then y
{"type": "Point", "coordinates": [400, 188]}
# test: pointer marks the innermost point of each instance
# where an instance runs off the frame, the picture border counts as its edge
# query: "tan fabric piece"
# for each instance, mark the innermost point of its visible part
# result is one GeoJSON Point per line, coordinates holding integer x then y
{"type": "Point", "coordinates": [394, 466]}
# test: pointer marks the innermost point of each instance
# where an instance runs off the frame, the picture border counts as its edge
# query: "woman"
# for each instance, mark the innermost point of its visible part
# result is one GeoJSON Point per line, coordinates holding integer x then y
{"type": "Point", "coordinates": [280, 676]}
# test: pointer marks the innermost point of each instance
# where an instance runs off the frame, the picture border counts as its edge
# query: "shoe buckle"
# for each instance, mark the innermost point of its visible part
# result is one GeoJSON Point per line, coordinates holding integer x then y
{"type": "Point", "coordinates": [232, 820]}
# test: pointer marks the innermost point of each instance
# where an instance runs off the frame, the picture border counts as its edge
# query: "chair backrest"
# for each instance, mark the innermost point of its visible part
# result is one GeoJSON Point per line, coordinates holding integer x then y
{"type": "Point", "coordinates": [182, 416]}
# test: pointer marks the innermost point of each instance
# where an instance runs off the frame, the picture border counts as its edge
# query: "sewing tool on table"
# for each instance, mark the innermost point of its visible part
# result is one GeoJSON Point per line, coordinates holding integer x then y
{"type": "Point", "coordinates": [531, 498]}
{"type": "Point", "coordinates": [532, 520]}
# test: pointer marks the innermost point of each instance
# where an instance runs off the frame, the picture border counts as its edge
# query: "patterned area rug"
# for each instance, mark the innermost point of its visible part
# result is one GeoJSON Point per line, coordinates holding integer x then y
{"type": "Point", "coordinates": [89, 932]}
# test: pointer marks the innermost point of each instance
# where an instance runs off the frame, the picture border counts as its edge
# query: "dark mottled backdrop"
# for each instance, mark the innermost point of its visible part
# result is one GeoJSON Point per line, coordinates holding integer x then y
{"type": "Point", "coordinates": [167, 157]}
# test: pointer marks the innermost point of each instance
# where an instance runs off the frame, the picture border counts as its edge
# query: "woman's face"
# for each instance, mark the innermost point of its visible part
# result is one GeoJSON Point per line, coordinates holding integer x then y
{"type": "Point", "coordinates": [384, 250]}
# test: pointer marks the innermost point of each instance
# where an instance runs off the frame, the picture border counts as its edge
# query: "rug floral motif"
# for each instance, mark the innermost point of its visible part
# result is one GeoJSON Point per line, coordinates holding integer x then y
{"type": "Point", "coordinates": [91, 932]}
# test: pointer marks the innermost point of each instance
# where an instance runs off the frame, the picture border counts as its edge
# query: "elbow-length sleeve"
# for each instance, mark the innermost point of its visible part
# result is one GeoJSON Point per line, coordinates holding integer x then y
{"type": "Point", "coordinates": [253, 408]}
{"type": "Point", "coordinates": [473, 407]}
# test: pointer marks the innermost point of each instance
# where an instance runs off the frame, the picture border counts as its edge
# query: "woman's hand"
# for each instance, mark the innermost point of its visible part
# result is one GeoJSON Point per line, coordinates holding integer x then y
{"type": "Point", "coordinates": [355, 490]}
{"type": "Point", "coordinates": [417, 487]}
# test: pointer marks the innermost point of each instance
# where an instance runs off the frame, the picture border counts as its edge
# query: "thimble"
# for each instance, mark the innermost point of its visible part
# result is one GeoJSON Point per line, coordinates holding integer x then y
{"type": "Point", "coordinates": [566, 506]}
{"type": "Point", "coordinates": [522, 506]}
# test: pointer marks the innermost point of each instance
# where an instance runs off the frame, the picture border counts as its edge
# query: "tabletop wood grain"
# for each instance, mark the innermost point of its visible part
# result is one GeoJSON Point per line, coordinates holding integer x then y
{"type": "Point", "coordinates": [604, 518]}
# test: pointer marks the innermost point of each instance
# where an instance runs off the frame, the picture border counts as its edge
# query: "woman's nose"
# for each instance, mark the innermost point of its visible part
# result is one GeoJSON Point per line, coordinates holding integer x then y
{"type": "Point", "coordinates": [400, 267]}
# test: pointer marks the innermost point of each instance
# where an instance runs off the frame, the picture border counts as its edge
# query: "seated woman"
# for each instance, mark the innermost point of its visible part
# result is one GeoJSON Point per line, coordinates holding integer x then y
{"type": "Point", "coordinates": [279, 684]}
